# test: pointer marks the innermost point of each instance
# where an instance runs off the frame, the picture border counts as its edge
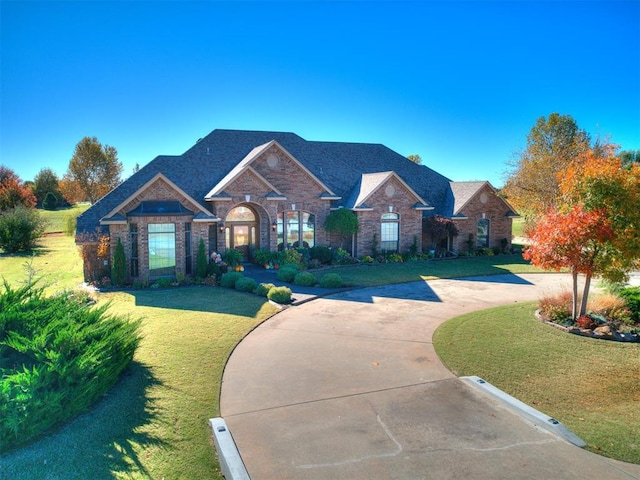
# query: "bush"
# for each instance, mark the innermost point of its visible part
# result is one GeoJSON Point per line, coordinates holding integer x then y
{"type": "Point", "coordinates": [586, 322]}
{"type": "Point", "coordinates": [19, 229]}
{"type": "Point", "coordinates": [631, 296]}
{"type": "Point", "coordinates": [232, 257]}
{"type": "Point", "coordinates": [58, 355]}
{"type": "Point", "coordinates": [229, 280]}
{"type": "Point", "coordinates": [246, 284]}
{"type": "Point", "coordinates": [305, 279]}
{"type": "Point", "coordinates": [50, 202]}
{"type": "Point", "coordinates": [119, 266]}
{"type": "Point", "coordinates": [280, 295]}
{"type": "Point", "coordinates": [70, 225]}
{"type": "Point", "coordinates": [291, 257]}
{"type": "Point", "coordinates": [331, 280]}
{"type": "Point", "coordinates": [395, 258]}
{"type": "Point", "coordinates": [263, 289]}
{"type": "Point", "coordinates": [287, 273]}
{"type": "Point", "coordinates": [263, 257]}
{"type": "Point", "coordinates": [322, 253]}
{"type": "Point", "coordinates": [202, 264]}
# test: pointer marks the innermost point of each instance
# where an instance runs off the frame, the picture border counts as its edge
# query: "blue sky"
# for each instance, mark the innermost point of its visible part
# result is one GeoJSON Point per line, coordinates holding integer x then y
{"type": "Point", "coordinates": [460, 83]}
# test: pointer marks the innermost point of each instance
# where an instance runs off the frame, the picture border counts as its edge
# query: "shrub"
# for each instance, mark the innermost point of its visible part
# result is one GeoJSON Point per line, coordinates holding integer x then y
{"type": "Point", "coordinates": [58, 355]}
{"type": "Point", "coordinates": [305, 279]}
{"type": "Point", "coordinates": [604, 304]}
{"type": "Point", "coordinates": [292, 257]}
{"type": "Point", "coordinates": [280, 295]}
{"type": "Point", "coordinates": [631, 296]}
{"type": "Point", "coordinates": [586, 322]}
{"type": "Point", "coordinates": [202, 264]}
{"type": "Point", "coordinates": [119, 266]}
{"type": "Point", "coordinates": [331, 280]}
{"type": "Point", "coordinates": [287, 273]}
{"type": "Point", "coordinates": [163, 282]}
{"type": "Point", "coordinates": [232, 257]}
{"type": "Point", "coordinates": [19, 229]}
{"type": "Point", "coordinates": [395, 258]}
{"type": "Point", "coordinates": [322, 253]}
{"type": "Point", "coordinates": [70, 225]}
{"type": "Point", "coordinates": [246, 284]}
{"type": "Point", "coordinates": [50, 202]}
{"type": "Point", "coordinates": [263, 257]}
{"type": "Point", "coordinates": [263, 289]}
{"type": "Point", "coordinates": [229, 280]}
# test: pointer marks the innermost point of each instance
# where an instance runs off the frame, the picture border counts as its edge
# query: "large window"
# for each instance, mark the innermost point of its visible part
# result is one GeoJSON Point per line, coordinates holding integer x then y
{"type": "Point", "coordinates": [296, 229]}
{"type": "Point", "coordinates": [389, 232]}
{"type": "Point", "coordinates": [483, 233]}
{"type": "Point", "coordinates": [187, 248]}
{"type": "Point", "coordinates": [162, 249]}
{"type": "Point", "coordinates": [133, 241]}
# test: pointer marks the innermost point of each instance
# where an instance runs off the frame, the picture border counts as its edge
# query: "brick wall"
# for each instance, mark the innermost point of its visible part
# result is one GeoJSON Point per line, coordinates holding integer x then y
{"type": "Point", "coordinates": [494, 209]}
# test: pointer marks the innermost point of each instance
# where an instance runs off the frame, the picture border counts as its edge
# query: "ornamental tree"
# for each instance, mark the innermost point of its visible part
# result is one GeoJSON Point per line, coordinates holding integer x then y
{"type": "Point", "coordinates": [600, 180]}
{"type": "Point", "coordinates": [342, 222]}
{"type": "Point", "coordinates": [579, 240]}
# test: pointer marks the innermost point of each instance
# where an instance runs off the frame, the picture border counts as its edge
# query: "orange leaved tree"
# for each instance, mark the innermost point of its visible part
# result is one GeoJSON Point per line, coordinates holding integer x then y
{"type": "Point", "coordinates": [577, 240]}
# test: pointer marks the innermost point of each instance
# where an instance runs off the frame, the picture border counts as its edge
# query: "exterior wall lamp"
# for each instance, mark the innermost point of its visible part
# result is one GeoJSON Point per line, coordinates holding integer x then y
{"type": "Point", "coordinates": [221, 226]}
{"type": "Point", "coordinates": [274, 226]}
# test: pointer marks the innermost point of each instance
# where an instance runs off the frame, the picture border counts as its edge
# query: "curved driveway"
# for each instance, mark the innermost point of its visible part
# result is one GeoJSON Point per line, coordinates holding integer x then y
{"type": "Point", "coordinates": [349, 386]}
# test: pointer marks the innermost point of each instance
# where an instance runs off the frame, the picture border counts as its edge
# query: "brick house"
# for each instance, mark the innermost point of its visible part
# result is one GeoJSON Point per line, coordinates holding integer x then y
{"type": "Point", "coordinates": [273, 190]}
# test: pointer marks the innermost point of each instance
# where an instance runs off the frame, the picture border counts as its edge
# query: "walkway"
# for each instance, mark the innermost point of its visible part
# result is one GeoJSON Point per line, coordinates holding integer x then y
{"type": "Point", "coordinates": [349, 386]}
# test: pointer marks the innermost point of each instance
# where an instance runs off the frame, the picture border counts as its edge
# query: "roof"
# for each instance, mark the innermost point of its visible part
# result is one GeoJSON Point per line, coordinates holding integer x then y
{"type": "Point", "coordinates": [337, 165]}
{"type": "Point", "coordinates": [463, 193]}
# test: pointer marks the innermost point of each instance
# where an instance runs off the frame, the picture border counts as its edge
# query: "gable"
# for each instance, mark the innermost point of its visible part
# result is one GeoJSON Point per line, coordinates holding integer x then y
{"type": "Point", "coordinates": [158, 191]}
{"type": "Point", "coordinates": [269, 154]}
{"type": "Point", "coordinates": [387, 183]}
{"type": "Point", "coordinates": [477, 193]}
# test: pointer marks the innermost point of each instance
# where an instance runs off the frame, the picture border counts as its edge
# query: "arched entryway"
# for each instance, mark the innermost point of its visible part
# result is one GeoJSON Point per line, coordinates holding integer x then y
{"type": "Point", "coordinates": [242, 230]}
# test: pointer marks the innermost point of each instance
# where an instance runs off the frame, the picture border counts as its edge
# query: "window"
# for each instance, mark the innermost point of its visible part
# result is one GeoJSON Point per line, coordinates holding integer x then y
{"type": "Point", "coordinates": [298, 228]}
{"type": "Point", "coordinates": [133, 241]}
{"type": "Point", "coordinates": [241, 214]}
{"type": "Point", "coordinates": [389, 232]}
{"type": "Point", "coordinates": [187, 248]}
{"type": "Point", "coordinates": [483, 233]}
{"type": "Point", "coordinates": [162, 249]}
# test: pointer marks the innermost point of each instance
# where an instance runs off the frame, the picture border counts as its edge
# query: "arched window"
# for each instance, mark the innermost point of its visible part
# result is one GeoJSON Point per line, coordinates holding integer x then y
{"type": "Point", "coordinates": [296, 229]}
{"type": "Point", "coordinates": [241, 214]}
{"type": "Point", "coordinates": [389, 232]}
{"type": "Point", "coordinates": [483, 233]}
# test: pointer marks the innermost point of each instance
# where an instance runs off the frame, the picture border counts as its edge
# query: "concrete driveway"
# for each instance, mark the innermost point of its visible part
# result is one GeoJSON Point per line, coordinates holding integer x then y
{"type": "Point", "coordinates": [349, 386]}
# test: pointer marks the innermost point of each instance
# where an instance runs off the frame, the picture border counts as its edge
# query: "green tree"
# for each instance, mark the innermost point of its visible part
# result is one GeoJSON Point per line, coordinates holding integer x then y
{"type": "Point", "coordinates": [46, 182]}
{"type": "Point", "coordinates": [94, 168]}
{"type": "Point", "coordinates": [50, 202]}
{"type": "Point", "coordinates": [629, 157]}
{"type": "Point", "coordinates": [201, 260]}
{"type": "Point", "coordinates": [532, 183]}
{"type": "Point", "coordinates": [13, 192]}
{"type": "Point", "coordinates": [415, 158]}
{"type": "Point", "coordinates": [119, 267]}
{"type": "Point", "coordinates": [342, 222]}
{"type": "Point", "coordinates": [20, 228]}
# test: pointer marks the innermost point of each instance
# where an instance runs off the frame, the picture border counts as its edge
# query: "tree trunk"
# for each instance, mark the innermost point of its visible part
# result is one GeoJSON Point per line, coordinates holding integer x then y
{"type": "Point", "coordinates": [585, 295]}
{"type": "Point", "coordinates": [574, 296]}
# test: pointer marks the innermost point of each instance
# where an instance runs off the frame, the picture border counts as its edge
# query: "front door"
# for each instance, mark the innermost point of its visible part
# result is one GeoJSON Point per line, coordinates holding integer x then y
{"type": "Point", "coordinates": [242, 240]}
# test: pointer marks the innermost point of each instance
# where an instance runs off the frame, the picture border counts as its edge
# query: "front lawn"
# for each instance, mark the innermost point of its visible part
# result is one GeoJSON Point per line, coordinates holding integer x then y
{"type": "Point", "coordinates": [589, 385]}
{"type": "Point", "coordinates": [388, 273]}
{"type": "Point", "coordinates": [153, 424]}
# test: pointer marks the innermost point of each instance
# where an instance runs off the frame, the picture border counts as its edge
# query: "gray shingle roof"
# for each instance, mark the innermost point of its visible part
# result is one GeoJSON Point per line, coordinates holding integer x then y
{"type": "Point", "coordinates": [338, 165]}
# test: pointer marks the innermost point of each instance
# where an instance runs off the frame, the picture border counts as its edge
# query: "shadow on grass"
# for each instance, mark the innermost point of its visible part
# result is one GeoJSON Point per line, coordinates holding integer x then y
{"type": "Point", "coordinates": [98, 444]}
{"type": "Point", "coordinates": [200, 299]}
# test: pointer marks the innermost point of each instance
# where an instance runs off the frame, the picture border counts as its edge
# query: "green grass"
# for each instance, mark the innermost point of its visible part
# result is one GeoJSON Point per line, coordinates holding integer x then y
{"type": "Point", "coordinates": [153, 424]}
{"type": "Point", "coordinates": [589, 385]}
{"type": "Point", "coordinates": [57, 219]}
{"type": "Point", "coordinates": [387, 273]}
{"type": "Point", "coordinates": [56, 259]}
{"type": "Point", "coordinates": [517, 227]}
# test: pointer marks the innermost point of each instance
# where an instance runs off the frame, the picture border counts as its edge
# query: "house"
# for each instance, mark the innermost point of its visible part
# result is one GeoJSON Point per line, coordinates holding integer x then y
{"type": "Point", "coordinates": [273, 190]}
